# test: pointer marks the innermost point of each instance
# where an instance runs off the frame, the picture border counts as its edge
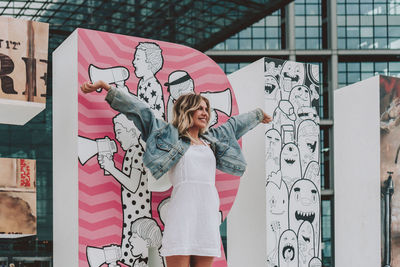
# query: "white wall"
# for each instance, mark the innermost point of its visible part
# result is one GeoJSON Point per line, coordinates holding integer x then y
{"type": "Point", "coordinates": [357, 170]}
{"type": "Point", "coordinates": [65, 151]}
{"type": "Point", "coordinates": [246, 221]}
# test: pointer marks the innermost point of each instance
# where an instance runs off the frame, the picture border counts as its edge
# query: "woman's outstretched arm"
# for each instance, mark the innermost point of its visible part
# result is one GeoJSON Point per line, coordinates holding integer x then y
{"type": "Point", "coordinates": [241, 124]}
{"type": "Point", "coordinates": [128, 104]}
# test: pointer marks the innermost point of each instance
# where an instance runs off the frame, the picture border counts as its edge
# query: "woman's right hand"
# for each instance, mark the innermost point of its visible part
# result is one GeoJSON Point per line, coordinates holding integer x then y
{"type": "Point", "coordinates": [88, 87]}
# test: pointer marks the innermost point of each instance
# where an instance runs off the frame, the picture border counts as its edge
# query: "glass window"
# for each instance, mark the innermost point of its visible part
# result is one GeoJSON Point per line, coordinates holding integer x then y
{"type": "Point", "coordinates": [394, 43]}
{"type": "Point", "coordinates": [259, 44]}
{"type": "Point", "coordinates": [352, 9]}
{"type": "Point", "coordinates": [366, 9]}
{"type": "Point", "coordinates": [394, 31]}
{"type": "Point", "coordinates": [258, 32]}
{"type": "Point", "coordinates": [366, 31]}
{"type": "Point", "coordinates": [244, 44]}
{"type": "Point", "coordinates": [313, 32]}
{"type": "Point", "coordinates": [267, 32]}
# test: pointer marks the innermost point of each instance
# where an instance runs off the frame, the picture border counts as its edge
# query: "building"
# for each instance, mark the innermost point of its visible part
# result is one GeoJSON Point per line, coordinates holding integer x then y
{"type": "Point", "coordinates": [349, 39]}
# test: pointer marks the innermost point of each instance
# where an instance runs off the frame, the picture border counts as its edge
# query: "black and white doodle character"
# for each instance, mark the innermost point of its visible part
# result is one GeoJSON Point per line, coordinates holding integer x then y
{"type": "Point", "coordinates": [277, 218]}
{"type": "Point", "coordinates": [292, 74]}
{"type": "Point", "coordinates": [273, 146]}
{"type": "Point", "coordinates": [147, 62]}
{"type": "Point", "coordinates": [315, 262]}
{"type": "Point", "coordinates": [307, 113]}
{"type": "Point", "coordinates": [283, 120]}
{"type": "Point", "coordinates": [313, 77]}
{"type": "Point", "coordinates": [290, 164]}
{"type": "Point", "coordinates": [179, 83]}
{"type": "Point", "coordinates": [288, 249]}
{"type": "Point", "coordinates": [145, 234]}
{"type": "Point", "coordinates": [135, 197]}
{"type": "Point", "coordinates": [271, 69]}
{"type": "Point", "coordinates": [308, 142]}
{"type": "Point", "coordinates": [272, 93]}
{"type": "Point", "coordinates": [313, 173]}
{"type": "Point", "coordinates": [304, 205]}
{"type": "Point", "coordinates": [299, 97]}
{"type": "Point", "coordinates": [306, 243]}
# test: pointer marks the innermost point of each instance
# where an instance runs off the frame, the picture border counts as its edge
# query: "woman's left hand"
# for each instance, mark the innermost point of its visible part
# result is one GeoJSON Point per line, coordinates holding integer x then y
{"type": "Point", "coordinates": [267, 118]}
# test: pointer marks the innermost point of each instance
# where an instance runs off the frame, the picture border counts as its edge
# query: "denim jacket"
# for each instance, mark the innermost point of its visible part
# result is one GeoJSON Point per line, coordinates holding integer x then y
{"type": "Point", "coordinates": [164, 145]}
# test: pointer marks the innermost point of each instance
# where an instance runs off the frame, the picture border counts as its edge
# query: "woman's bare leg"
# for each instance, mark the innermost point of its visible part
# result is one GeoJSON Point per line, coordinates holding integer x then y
{"type": "Point", "coordinates": [201, 261]}
{"type": "Point", "coordinates": [177, 261]}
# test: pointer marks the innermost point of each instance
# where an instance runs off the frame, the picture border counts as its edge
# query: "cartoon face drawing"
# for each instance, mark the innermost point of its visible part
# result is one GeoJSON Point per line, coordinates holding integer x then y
{"type": "Point", "coordinates": [179, 83]}
{"type": "Point", "coordinates": [307, 113]}
{"type": "Point", "coordinates": [273, 144]}
{"type": "Point", "coordinates": [288, 249]}
{"type": "Point", "coordinates": [139, 246]}
{"type": "Point", "coordinates": [277, 218]}
{"type": "Point", "coordinates": [300, 97]}
{"type": "Point", "coordinates": [292, 74]}
{"type": "Point", "coordinates": [315, 262]}
{"type": "Point", "coordinates": [277, 201]}
{"type": "Point", "coordinates": [271, 69]}
{"type": "Point", "coordinates": [306, 243]}
{"type": "Point", "coordinates": [308, 142]}
{"type": "Point", "coordinates": [271, 88]}
{"type": "Point", "coordinates": [290, 164]}
{"type": "Point", "coordinates": [304, 205]}
{"type": "Point", "coordinates": [125, 138]}
{"type": "Point", "coordinates": [140, 63]}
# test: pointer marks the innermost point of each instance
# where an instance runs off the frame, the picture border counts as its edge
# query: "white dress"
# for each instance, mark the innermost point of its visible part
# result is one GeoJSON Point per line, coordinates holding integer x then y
{"type": "Point", "coordinates": [192, 221]}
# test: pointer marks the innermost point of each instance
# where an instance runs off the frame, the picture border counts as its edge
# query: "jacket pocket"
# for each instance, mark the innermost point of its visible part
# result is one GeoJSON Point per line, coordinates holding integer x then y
{"type": "Point", "coordinates": [162, 144]}
{"type": "Point", "coordinates": [221, 147]}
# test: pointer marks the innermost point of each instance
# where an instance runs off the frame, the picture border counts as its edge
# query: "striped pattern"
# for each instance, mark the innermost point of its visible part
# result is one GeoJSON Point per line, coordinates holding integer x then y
{"type": "Point", "coordinates": [100, 211]}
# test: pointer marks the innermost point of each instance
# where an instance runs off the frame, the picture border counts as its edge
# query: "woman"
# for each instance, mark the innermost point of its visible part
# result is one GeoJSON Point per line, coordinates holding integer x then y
{"type": "Point", "coordinates": [190, 153]}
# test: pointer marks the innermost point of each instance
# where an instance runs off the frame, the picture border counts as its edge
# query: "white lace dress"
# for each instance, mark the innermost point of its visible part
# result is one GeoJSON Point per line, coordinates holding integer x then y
{"type": "Point", "coordinates": [192, 221]}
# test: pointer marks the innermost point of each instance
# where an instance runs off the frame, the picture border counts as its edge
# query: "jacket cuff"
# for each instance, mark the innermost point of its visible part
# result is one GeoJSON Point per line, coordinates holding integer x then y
{"type": "Point", "coordinates": [259, 114]}
{"type": "Point", "coordinates": [111, 94]}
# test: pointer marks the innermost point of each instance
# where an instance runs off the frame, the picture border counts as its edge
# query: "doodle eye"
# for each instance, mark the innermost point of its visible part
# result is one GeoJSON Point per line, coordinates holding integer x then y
{"type": "Point", "coordinates": [297, 193]}
{"type": "Point", "coordinates": [314, 195]}
{"type": "Point", "coordinates": [272, 202]}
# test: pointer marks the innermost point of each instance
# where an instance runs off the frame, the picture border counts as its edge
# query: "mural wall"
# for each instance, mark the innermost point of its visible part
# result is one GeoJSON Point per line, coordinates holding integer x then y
{"type": "Point", "coordinates": [390, 154]}
{"type": "Point", "coordinates": [292, 164]}
{"type": "Point", "coordinates": [119, 218]}
{"type": "Point", "coordinates": [17, 197]}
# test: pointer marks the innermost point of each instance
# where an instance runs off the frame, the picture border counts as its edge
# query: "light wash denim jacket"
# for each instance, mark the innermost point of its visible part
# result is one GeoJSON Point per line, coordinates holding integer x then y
{"type": "Point", "coordinates": [164, 146]}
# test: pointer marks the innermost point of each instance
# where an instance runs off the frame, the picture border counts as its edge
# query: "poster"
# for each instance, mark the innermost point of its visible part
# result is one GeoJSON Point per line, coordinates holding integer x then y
{"type": "Point", "coordinates": [23, 60]}
{"type": "Point", "coordinates": [390, 159]}
{"type": "Point", "coordinates": [17, 197]}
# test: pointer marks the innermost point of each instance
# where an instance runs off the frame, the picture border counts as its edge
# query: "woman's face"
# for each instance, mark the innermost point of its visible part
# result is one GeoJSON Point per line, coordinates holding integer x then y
{"type": "Point", "coordinates": [200, 116]}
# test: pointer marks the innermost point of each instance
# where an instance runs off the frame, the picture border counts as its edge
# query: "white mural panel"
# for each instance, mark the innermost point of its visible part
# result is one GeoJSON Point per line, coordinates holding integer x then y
{"type": "Point", "coordinates": [292, 161]}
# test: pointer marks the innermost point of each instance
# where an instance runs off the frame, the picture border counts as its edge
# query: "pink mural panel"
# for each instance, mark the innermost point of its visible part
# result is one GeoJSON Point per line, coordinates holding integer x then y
{"type": "Point", "coordinates": [157, 72]}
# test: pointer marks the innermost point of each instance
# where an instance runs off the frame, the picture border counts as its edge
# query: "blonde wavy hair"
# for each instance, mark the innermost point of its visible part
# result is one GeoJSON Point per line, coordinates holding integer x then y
{"type": "Point", "coordinates": [184, 108]}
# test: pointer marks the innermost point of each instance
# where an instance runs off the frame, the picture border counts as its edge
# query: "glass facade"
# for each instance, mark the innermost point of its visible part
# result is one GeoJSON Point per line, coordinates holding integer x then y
{"type": "Point", "coordinates": [351, 72]}
{"type": "Point", "coordinates": [368, 24]}
{"type": "Point", "coordinates": [265, 34]}
{"type": "Point", "coordinates": [308, 24]}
